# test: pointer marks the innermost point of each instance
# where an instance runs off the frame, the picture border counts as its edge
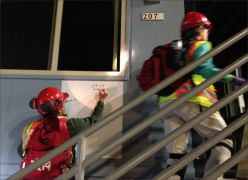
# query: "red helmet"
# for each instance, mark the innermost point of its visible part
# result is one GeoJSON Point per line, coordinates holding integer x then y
{"type": "Point", "coordinates": [49, 101]}
{"type": "Point", "coordinates": [194, 19]}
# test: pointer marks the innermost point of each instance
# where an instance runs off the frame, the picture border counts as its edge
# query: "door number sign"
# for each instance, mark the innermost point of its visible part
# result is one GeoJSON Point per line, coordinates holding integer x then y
{"type": "Point", "coordinates": [152, 16]}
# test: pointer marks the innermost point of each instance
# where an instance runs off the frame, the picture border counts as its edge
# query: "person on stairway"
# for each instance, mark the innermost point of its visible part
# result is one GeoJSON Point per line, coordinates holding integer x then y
{"type": "Point", "coordinates": [195, 28]}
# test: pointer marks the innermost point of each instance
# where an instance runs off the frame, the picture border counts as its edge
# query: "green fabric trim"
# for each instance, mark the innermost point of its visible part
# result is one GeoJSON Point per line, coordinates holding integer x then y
{"type": "Point", "coordinates": [76, 125]}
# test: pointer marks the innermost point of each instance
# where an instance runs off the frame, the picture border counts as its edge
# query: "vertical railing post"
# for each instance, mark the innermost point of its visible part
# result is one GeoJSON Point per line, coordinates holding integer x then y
{"type": "Point", "coordinates": [81, 151]}
{"type": "Point", "coordinates": [242, 165]}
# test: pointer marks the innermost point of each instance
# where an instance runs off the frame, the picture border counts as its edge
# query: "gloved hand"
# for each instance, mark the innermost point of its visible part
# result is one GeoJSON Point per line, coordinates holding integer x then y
{"type": "Point", "coordinates": [238, 81]}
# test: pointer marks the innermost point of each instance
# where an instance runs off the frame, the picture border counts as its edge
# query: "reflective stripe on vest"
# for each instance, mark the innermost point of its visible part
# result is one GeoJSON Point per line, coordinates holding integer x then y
{"type": "Point", "coordinates": [206, 98]}
{"type": "Point", "coordinates": [209, 93]}
{"type": "Point", "coordinates": [27, 132]}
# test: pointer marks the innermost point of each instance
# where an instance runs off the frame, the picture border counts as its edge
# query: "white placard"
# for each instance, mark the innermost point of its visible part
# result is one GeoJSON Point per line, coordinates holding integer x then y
{"type": "Point", "coordinates": [151, 16]}
{"type": "Point", "coordinates": [83, 101]}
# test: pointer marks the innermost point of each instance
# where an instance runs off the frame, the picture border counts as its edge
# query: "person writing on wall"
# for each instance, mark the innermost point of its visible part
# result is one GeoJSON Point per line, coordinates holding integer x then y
{"type": "Point", "coordinates": [42, 135]}
{"type": "Point", "coordinates": [195, 28]}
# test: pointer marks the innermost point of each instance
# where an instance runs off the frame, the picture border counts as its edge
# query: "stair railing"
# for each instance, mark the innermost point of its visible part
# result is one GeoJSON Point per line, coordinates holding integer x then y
{"type": "Point", "coordinates": [196, 152]}
{"type": "Point", "coordinates": [92, 157]}
{"type": "Point", "coordinates": [179, 131]}
{"type": "Point", "coordinates": [237, 157]}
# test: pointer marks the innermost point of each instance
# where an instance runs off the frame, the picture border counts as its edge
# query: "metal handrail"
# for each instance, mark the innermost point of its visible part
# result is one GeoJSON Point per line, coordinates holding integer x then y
{"type": "Point", "coordinates": [100, 152]}
{"type": "Point", "coordinates": [130, 105]}
{"type": "Point", "coordinates": [148, 121]}
{"type": "Point", "coordinates": [171, 136]}
{"type": "Point", "coordinates": [196, 152]}
{"type": "Point", "coordinates": [107, 148]}
{"type": "Point", "coordinates": [240, 155]}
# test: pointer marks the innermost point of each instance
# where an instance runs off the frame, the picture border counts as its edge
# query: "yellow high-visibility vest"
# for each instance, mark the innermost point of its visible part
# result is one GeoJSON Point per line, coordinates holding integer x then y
{"type": "Point", "coordinates": [206, 98]}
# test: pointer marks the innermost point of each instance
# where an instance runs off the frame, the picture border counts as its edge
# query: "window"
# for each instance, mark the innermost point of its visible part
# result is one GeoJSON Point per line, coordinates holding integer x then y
{"type": "Point", "coordinates": [25, 34]}
{"type": "Point", "coordinates": [63, 38]}
{"type": "Point", "coordinates": [87, 40]}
